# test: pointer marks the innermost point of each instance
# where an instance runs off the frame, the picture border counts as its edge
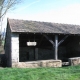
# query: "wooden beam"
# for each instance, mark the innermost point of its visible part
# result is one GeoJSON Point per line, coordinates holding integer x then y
{"type": "Point", "coordinates": [56, 47]}
{"type": "Point", "coordinates": [49, 39]}
{"type": "Point", "coordinates": [55, 44]}
{"type": "Point", "coordinates": [62, 40]}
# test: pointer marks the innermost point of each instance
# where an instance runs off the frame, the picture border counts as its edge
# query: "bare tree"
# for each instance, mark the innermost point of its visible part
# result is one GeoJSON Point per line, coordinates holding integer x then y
{"type": "Point", "coordinates": [5, 5]}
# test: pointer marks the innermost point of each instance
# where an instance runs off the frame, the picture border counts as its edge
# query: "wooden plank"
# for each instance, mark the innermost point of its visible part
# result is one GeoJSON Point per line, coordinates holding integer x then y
{"type": "Point", "coordinates": [55, 44]}
{"type": "Point", "coordinates": [49, 39]}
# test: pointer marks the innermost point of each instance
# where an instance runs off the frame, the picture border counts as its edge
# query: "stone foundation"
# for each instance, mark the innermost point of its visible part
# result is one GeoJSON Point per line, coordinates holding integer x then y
{"type": "Point", "coordinates": [37, 64]}
{"type": "Point", "coordinates": [74, 61]}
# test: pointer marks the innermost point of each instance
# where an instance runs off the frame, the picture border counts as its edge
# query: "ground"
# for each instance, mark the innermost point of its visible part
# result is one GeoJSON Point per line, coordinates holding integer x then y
{"type": "Point", "coordinates": [63, 73]}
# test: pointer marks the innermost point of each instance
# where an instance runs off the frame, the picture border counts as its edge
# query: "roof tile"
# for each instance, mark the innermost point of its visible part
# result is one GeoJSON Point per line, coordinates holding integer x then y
{"type": "Point", "coordinates": [42, 27]}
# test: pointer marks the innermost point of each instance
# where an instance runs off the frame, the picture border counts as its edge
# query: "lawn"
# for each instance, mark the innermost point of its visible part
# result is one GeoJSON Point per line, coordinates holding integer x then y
{"type": "Point", "coordinates": [64, 73]}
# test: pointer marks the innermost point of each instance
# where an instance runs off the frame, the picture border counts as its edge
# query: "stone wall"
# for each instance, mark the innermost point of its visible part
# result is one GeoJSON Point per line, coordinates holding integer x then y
{"type": "Point", "coordinates": [8, 46]}
{"type": "Point", "coordinates": [71, 50]}
{"type": "Point", "coordinates": [15, 48]}
{"type": "Point", "coordinates": [11, 47]}
{"type": "Point", "coordinates": [37, 64]}
{"type": "Point", "coordinates": [74, 61]}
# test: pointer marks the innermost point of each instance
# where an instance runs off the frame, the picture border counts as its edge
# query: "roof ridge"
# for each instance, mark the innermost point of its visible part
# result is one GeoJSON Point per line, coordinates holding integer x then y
{"type": "Point", "coordinates": [44, 22]}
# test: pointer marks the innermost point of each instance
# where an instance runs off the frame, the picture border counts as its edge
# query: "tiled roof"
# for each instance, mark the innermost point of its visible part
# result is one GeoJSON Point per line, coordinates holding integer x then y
{"type": "Point", "coordinates": [42, 27]}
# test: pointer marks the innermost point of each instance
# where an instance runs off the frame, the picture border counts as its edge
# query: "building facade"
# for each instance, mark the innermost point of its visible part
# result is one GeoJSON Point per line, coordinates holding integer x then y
{"type": "Point", "coordinates": [40, 44]}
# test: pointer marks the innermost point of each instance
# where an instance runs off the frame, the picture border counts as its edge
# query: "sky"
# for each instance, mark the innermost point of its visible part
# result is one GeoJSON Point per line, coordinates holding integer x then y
{"type": "Point", "coordinates": [57, 11]}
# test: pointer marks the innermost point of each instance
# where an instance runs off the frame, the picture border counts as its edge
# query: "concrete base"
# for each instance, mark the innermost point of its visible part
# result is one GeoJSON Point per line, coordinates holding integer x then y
{"type": "Point", "coordinates": [74, 61]}
{"type": "Point", "coordinates": [37, 64]}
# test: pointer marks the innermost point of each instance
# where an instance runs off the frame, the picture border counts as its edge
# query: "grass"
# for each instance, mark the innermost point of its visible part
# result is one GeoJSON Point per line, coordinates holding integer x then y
{"type": "Point", "coordinates": [64, 73]}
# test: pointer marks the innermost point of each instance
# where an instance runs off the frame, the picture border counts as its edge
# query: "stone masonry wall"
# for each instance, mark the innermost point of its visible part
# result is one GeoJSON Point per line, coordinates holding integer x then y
{"type": "Point", "coordinates": [40, 63]}
{"type": "Point", "coordinates": [8, 46]}
{"type": "Point", "coordinates": [74, 61]}
{"type": "Point", "coordinates": [15, 48]}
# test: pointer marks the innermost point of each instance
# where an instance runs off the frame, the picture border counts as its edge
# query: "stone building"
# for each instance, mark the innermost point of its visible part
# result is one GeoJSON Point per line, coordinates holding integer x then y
{"type": "Point", "coordinates": [40, 44]}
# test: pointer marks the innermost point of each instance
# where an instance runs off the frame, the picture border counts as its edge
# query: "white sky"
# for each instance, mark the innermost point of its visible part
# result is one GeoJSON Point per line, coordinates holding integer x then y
{"type": "Point", "coordinates": [48, 11]}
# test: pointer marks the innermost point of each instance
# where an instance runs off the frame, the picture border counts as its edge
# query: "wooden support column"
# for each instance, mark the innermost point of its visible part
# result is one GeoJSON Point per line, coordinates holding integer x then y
{"type": "Point", "coordinates": [55, 44]}
{"type": "Point", "coordinates": [49, 39]}
{"type": "Point", "coordinates": [56, 47]}
{"type": "Point", "coordinates": [36, 53]}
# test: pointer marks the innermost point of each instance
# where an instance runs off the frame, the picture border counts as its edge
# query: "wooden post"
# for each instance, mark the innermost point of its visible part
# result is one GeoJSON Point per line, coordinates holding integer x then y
{"type": "Point", "coordinates": [36, 53]}
{"type": "Point", "coordinates": [56, 47]}
{"type": "Point", "coordinates": [55, 44]}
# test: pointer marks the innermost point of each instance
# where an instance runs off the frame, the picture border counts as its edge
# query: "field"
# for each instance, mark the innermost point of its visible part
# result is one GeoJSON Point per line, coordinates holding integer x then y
{"type": "Point", "coordinates": [64, 73]}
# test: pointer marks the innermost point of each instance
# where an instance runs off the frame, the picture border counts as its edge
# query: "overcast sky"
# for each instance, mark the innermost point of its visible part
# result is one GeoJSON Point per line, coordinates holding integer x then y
{"type": "Point", "coordinates": [58, 11]}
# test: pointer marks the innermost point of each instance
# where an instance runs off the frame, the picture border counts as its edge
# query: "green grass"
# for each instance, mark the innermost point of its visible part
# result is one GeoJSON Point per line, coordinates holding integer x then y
{"type": "Point", "coordinates": [65, 73]}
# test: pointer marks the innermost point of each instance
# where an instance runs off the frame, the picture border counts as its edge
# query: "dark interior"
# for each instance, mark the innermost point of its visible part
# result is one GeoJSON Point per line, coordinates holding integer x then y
{"type": "Point", "coordinates": [70, 47]}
